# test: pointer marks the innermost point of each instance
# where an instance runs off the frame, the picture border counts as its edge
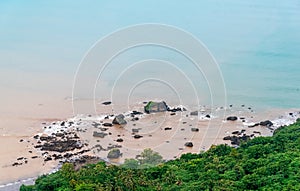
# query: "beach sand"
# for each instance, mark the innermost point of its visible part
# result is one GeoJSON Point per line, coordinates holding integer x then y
{"type": "Point", "coordinates": [169, 143]}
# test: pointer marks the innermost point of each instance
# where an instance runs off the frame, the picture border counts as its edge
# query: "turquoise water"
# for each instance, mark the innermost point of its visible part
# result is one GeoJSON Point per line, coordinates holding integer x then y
{"type": "Point", "coordinates": [256, 43]}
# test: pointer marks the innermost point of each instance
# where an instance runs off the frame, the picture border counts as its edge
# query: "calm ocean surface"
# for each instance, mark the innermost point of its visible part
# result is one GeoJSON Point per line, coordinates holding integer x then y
{"type": "Point", "coordinates": [256, 44]}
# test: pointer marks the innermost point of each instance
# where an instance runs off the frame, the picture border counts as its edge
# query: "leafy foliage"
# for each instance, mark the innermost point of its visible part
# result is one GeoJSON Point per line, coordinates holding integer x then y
{"type": "Point", "coordinates": [263, 163]}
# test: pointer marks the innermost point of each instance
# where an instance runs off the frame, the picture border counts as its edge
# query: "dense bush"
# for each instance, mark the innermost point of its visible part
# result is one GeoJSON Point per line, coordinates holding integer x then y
{"type": "Point", "coordinates": [264, 163]}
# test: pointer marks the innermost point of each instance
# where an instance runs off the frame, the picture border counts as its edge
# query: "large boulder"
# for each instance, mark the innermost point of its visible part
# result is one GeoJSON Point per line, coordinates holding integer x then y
{"type": "Point", "coordinates": [114, 154]}
{"type": "Point", "coordinates": [119, 120]}
{"type": "Point", "coordinates": [153, 107]}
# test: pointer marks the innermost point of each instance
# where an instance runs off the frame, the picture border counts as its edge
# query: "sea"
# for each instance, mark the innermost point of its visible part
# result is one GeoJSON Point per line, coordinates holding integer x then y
{"type": "Point", "coordinates": [255, 46]}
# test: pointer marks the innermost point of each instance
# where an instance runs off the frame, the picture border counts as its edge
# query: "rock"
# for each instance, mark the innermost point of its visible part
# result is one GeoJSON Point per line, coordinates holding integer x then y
{"type": "Point", "coordinates": [153, 107]}
{"type": "Point", "coordinates": [21, 140]}
{"type": "Point", "coordinates": [256, 124]}
{"type": "Point", "coordinates": [195, 129]}
{"type": "Point", "coordinates": [231, 118]}
{"type": "Point", "coordinates": [36, 136]}
{"type": "Point", "coordinates": [62, 123]}
{"type": "Point", "coordinates": [227, 138]}
{"type": "Point", "coordinates": [188, 144]}
{"type": "Point", "coordinates": [107, 124]}
{"type": "Point", "coordinates": [173, 114]}
{"type": "Point", "coordinates": [194, 113]}
{"type": "Point", "coordinates": [266, 123]}
{"type": "Point", "coordinates": [258, 132]}
{"type": "Point", "coordinates": [135, 119]}
{"type": "Point", "coordinates": [135, 130]}
{"type": "Point", "coordinates": [119, 140]}
{"type": "Point", "coordinates": [235, 132]}
{"type": "Point", "coordinates": [174, 109]}
{"type": "Point", "coordinates": [114, 154]}
{"type": "Point", "coordinates": [119, 120]}
{"type": "Point", "coordinates": [207, 116]}
{"type": "Point", "coordinates": [136, 113]}
{"type": "Point", "coordinates": [137, 136]}
{"type": "Point", "coordinates": [106, 103]}
{"type": "Point", "coordinates": [99, 134]}
{"type": "Point", "coordinates": [168, 128]}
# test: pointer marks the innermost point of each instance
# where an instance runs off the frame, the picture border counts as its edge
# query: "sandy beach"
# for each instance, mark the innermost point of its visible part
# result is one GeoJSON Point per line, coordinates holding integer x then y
{"type": "Point", "coordinates": [165, 132]}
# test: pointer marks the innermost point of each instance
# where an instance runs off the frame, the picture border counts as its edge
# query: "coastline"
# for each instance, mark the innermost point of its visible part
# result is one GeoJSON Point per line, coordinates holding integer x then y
{"type": "Point", "coordinates": [160, 139]}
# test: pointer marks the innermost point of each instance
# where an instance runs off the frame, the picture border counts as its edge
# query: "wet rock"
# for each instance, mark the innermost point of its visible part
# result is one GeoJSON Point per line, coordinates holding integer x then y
{"type": "Point", "coordinates": [106, 103]}
{"type": "Point", "coordinates": [99, 134]}
{"type": "Point", "coordinates": [188, 144]}
{"type": "Point", "coordinates": [266, 123]}
{"type": "Point", "coordinates": [119, 120]}
{"type": "Point", "coordinates": [114, 154]}
{"type": "Point", "coordinates": [231, 118]}
{"type": "Point", "coordinates": [194, 129]}
{"type": "Point", "coordinates": [153, 107]}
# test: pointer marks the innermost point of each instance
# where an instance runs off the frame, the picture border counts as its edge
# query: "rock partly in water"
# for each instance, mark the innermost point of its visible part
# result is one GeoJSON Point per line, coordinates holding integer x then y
{"type": "Point", "coordinates": [119, 120]}
{"type": "Point", "coordinates": [114, 154]}
{"type": "Point", "coordinates": [153, 107]}
{"type": "Point", "coordinates": [231, 118]}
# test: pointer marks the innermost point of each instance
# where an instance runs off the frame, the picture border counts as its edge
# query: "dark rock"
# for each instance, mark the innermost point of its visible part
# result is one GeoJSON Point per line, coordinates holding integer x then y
{"type": "Point", "coordinates": [119, 140]}
{"type": "Point", "coordinates": [114, 154]}
{"type": "Point", "coordinates": [207, 116]}
{"type": "Point", "coordinates": [231, 118]}
{"type": "Point", "coordinates": [153, 107]}
{"type": "Point", "coordinates": [137, 136]}
{"type": "Point", "coordinates": [34, 157]}
{"type": "Point", "coordinates": [62, 123]}
{"type": "Point", "coordinates": [188, 144]}
{"type": "Point", "coordinates": [256, 124]}
{"type": "Point", "coordinates": [99, 134]}
{"type": "Point", "coordinates": [20, 158]}
{"type": "Point", "coordinates": [119, 120]}
{"type": "Point", "coordinates": [174, 109]}
{"type": "Point", "coordinates": [195, 129]}
{"type": "Point", "coordinates": [168, 128]}
{"type": "Point", "coordinates": [21, 140]}
{"type": "Point", "coordinates": [266, 123]}
{"type": "Point", "coordinates": [136, 113]}
{"type": "Point", "coordinates": [48, 159]}
{"type": "Point", "coordinates": [227, 138]}
{"type": "Point", "coordinates": [173, 114]}
{"type": "Point", "coordinates": [258, 132]}
{"type": "Point", "coordinates": [36, 136]}
{"type": "Point", "coordinates": [106, 103]}
{"type": "Point", "coordinates": [135, 119]}
{"type": "Point", "coordinates": [235, 132]}
{"type": "Point", "coordinates": [107, 124]}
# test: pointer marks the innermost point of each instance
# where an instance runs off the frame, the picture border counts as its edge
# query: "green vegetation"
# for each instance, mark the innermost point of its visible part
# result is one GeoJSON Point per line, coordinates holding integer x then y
{"type": "Point", "coordinates": [264, 163]}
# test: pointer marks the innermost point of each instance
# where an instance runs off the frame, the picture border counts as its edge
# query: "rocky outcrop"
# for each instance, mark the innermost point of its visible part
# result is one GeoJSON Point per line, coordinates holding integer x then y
{"type": "Point", "coordinates": [153, 107]}
{"type": "Point", "coordinates": [119, 120]}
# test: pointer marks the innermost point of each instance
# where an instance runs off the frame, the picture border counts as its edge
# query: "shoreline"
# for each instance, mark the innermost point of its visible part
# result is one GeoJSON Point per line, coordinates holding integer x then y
{"type": "Point", "coordinates": [132, 147]}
